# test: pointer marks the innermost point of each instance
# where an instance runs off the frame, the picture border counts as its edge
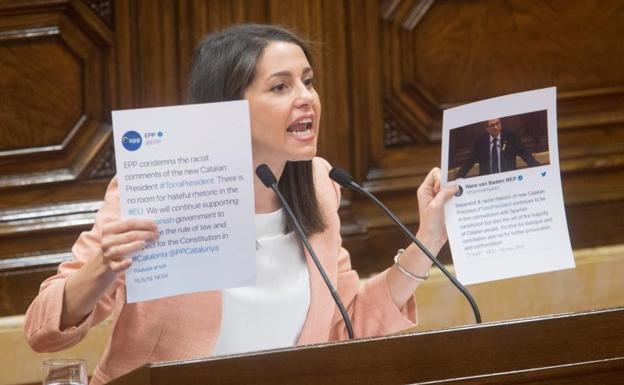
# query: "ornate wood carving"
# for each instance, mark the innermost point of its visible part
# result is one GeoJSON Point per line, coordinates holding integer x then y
{"type": "Point", "coordinates": [66, 50]}
{"type": "Point", "coordinates": [394, 134]}
{"type": "Point", "coordinates": [104, 166]}
{"type": "Point", "coordinates": [58, 86]}
{"type": "Point", "coordinates": [407, 13]}
{"type": "Point", "coordinates": [104, 10]}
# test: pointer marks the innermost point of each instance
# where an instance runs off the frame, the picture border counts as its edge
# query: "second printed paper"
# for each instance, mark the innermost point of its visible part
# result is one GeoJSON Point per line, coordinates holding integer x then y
{"type": "Point", "coordinates": [508, 218]}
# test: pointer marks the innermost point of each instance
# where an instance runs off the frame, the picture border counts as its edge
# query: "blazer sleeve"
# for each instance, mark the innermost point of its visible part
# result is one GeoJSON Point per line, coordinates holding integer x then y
{"type": "Point", "coordinates": [370, 306]}
{"type": "Point", "coordinates": [43, 317]}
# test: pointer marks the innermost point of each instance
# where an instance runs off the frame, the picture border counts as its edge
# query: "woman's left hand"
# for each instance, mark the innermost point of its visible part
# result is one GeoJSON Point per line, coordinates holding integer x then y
{"type": "Point", "coordinates": [431, 233]}
{"type": "Point", "coordinates": [431, 201]}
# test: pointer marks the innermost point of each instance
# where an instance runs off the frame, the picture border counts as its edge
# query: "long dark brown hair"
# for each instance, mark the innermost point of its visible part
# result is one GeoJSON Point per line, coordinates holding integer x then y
{"type": "Point", "coordinates": [224, 65]}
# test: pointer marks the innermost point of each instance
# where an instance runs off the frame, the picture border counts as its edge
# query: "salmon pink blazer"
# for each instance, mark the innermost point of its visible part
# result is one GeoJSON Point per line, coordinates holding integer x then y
{"type": "Point", "coordinates": [187, 326]}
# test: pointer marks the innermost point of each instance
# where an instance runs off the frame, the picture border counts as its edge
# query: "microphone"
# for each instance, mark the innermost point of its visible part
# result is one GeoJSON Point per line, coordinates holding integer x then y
{"type": "Point", "coordinates": [345, 179]}
{"type": "Point", "coordinates": [267, 178]}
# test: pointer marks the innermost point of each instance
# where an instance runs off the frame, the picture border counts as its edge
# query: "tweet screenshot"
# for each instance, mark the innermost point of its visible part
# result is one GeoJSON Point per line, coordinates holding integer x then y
{"type": "Point", "coordinates": [189, 169]}
{"type": "Point", "coordinates": [508, 218]}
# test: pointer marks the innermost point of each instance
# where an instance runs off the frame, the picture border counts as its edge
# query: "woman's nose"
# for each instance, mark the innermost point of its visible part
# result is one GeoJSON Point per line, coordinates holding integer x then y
{"type": "Point", "coordinates": [305, 94]}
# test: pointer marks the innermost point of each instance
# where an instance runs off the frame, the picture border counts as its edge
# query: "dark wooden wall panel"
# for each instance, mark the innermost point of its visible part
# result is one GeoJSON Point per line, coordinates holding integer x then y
{"type": "Point", "coordinates": [26, 73]}
{"type": "Point", "coordinates": [385, 70]}
{"type": "Point", "coordinates": [58, 87]}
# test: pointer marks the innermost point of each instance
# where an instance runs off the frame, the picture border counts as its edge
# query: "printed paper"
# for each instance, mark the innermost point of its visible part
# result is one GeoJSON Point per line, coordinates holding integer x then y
{"type": "Point", "coordinates": [190, 169]}
{"type": "Point", "coordinates": [509, 217]}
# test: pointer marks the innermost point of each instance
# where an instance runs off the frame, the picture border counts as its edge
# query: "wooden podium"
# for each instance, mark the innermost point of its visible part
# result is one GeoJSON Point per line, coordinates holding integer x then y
{"type": "Point", "coordinates": [580, 348]}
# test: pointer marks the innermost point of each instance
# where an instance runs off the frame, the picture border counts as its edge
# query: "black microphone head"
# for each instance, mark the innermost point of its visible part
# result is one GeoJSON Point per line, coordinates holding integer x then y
{"type": "Point", "coordinates": [266, 175]}
{"type": "Point", "coordinates": [341, 177]}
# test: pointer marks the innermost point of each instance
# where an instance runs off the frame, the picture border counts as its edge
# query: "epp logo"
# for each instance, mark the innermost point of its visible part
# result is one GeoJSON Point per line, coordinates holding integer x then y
{"type": "Point", "coordinates": [131, 140]}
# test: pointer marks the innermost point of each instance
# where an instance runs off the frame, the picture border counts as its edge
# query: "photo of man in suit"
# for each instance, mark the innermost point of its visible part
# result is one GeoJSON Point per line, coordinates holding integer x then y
{"type": "Point", "coordinates": [496, 151]}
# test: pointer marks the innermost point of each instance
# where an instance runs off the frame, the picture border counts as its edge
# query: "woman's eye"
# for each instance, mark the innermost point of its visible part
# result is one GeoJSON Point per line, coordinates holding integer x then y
{"type": "Point", "coordinates": [278, 87]}
{"type": "Point", "coordinates": [309, 82]}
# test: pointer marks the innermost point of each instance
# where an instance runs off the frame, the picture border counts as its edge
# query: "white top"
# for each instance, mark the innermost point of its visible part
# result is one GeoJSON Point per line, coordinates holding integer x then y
{"type": "Point", "coordinates": [271, 314]}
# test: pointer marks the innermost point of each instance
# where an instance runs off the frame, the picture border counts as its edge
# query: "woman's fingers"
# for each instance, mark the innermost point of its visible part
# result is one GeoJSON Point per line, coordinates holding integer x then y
{"type": "Point", "coordinates": [121, 265]}
{"type": "Point", "coordinates": [129, 224]}
{"type": "Point", "coordinates": [437, 179]}
{"type": "Point", "coordinates": [429, 187]}
{"type": "Point", "coordinates": [431, 200]}
{"type": "Point", "coordinates": [120, 252]}
{"type": "Point", "coordinates": [128, 237]}
{"type": "Point", "coordinates": [444, 195]}
{"type": "Point", "coordinates": [431, 177]}
{"type": "Point", "coordinates": [121, 239]}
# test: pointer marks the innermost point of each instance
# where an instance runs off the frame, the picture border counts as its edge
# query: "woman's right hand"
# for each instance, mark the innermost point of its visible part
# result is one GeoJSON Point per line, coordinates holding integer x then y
{"type": "Point", "coordinates": [84, 288]}
{"type": "Point", "coordinates": [124, 237]}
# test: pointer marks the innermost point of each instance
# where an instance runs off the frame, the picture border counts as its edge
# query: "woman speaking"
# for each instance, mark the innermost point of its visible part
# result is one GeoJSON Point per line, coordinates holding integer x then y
{"type": "Point", "coordinates": [272, 69]}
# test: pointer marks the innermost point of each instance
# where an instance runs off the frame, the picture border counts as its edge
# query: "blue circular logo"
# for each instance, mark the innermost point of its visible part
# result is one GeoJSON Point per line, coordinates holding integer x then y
{"type": "Point", "coordinates": [131, 140]}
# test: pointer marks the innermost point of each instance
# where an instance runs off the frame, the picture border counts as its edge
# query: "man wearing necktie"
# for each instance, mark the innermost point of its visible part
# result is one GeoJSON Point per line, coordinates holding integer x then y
{"type": "Point", "coordinates": [496, 151]}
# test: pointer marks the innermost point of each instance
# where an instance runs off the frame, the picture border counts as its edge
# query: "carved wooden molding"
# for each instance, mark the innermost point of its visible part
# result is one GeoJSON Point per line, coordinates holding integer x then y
{"type": "Point", "coordinates": [53, 137]}
{"type": "Point", "coordinates": [104, 166]}
{"type": "Point", "coordinates": [12, 265]}
{"type": "Point", "coordinates": [104, 9]}
{"type": "Point", "coordinates": [54, 226]}
{"type": "Point", "coordinates": [418, 117]}
{"type": "Point", "coordinates": [28, 33]}
{"type": "Point", "coordinates": [394, 134]}
{"type": "Point", "coordinates": [406, 13]}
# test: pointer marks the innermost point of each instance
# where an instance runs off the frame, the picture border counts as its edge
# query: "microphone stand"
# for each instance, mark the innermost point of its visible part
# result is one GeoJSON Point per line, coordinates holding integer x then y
{"type": "Point", "coordinates": [344, 179]}
{"type": "Point", "coordinates": [268, 179]}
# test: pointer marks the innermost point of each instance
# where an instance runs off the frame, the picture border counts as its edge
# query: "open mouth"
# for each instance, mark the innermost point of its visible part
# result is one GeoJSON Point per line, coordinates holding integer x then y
{"type": "Point", "coordinates": [301, 128]}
